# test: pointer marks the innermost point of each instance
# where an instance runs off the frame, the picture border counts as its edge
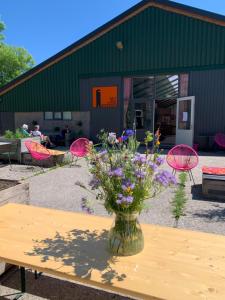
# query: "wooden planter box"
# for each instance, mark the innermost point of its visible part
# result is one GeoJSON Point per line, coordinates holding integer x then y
{"type": "Point", "coordinates": [21, 148]}
{"type": "Point", "coordinates": [17, 192]}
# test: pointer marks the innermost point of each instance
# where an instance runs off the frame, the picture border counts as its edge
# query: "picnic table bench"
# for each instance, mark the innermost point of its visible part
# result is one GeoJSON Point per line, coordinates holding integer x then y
{"type": "Point", "coordinates": [175, 264]}
{"type": "Point", "coordinates": [213, 182]}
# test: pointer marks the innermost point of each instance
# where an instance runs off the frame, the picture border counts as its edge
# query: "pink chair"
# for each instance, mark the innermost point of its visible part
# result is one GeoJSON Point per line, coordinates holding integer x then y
{"type": "Point", "coordinates": [37, 151]}
{"type": "Point", "coordinates": [182, 158]}
{"type": "Point", "coordinates": [79, 148]}
{"type": "Point", "coordinates": [220, 139]}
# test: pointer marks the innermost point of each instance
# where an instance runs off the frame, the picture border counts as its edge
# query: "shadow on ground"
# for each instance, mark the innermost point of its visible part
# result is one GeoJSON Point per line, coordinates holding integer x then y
{"type": "Point", "coordinates": [196, 191]}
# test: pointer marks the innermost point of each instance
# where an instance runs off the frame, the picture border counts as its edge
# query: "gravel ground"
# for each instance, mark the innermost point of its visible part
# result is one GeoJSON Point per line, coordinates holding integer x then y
{"type": "Point", "coordinates": [57, 189]}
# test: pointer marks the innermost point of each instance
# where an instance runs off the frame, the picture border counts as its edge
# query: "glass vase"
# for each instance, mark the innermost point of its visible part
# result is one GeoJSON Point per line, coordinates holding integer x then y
{"type": "Point", "coordinates": [125, 236]}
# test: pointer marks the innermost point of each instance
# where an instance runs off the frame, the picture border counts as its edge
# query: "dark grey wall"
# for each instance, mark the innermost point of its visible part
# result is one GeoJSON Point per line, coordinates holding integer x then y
{"type": "Point", "coordinates": [208, 87]}
{"type": "Point", "coordinates": [108, 118]}
{"type": "Point", "coordinates": [7, 121]}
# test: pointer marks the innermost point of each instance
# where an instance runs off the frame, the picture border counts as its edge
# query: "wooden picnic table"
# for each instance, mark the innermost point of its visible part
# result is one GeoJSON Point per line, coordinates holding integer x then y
{"type": "Point", "coordinates": [4, 145]}
{"type": "Point", "coordinates": [175, 264]}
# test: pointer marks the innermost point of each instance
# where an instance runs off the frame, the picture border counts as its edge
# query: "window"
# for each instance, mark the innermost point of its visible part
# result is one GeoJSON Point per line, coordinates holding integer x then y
{"type": "Point", "coordinates": [48, 115]}
{"type": "Point", "coordinates": [184, 118]}
{"type": "Point", "coordinates": [58, 115]}
{"type": "Point", "coordinates": [67, 115]}
{"type": "Point", "coordinates": [104, 96]}
{"type": "Point", "coordinates": [140, 109]}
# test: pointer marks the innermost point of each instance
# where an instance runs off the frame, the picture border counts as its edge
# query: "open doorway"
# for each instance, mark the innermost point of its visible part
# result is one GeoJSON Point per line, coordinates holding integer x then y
{"type": "Point", "coordinates": [166, 93]}
{"type": "Point", "coordinates": [150, 103]}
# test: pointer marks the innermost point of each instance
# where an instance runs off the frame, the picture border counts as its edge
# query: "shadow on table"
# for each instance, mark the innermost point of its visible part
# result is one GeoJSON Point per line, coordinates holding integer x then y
{"type": "Point", "coordinates": [52, 288]}
{"type": "Point", "coordinates": [83, 250]}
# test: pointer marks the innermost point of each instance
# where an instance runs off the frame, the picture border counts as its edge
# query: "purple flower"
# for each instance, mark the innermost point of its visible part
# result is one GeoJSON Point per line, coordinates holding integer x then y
{"type": "Point", "coordinates": [139, 159]}
{"type": "Point", "coordinates": [94, 183]}
{"type": "Point", "coordinates": [165, 178]}
{"type": "Point", "coordinates": [140, 174]}
{"type": "Point", "coordinates": [127, 185]}
{"type": "Point", "coordinates": [159, 161]}
{"type": "Point", "coordinates": [103, 152]}
{"type": "Point", "coordinates": [126, 200]}
{"type": "Point", "coordinates": [85, 206]}
{"type": "Point", "coordinates": [124, 137]}
{"type": "Point", "coordinates": [152, 166]}
{"type": "Point", "coordinates": [129, 199]}
{"type": "Point", "coordinates": [116, 173]}
{"type": "Point", "coordinates": [103, 155]}
{"type": "Point", "coordinates": [129, 132]}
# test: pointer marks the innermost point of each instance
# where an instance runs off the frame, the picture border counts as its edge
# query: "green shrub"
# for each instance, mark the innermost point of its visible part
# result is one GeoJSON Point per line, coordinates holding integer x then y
{"type": "Point", "coordinates": [14, 135]}
{"type": "Point", "coordinates": [179, 199]}
{"type": "Point", "coordinates": [9, 134]}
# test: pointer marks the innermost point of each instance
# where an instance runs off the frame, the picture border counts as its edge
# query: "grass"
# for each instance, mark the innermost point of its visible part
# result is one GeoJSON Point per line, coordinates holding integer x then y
{"type": "Point", "coordinates": [179, 200]}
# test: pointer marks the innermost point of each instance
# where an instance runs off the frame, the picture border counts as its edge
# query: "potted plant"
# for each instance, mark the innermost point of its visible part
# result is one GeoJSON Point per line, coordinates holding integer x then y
{"type": "Point", "coordinates": [125, 179]}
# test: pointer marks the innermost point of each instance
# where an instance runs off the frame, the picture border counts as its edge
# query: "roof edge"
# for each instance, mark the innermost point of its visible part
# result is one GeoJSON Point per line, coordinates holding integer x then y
{"type": "Point", "coordinates": [134, 10]}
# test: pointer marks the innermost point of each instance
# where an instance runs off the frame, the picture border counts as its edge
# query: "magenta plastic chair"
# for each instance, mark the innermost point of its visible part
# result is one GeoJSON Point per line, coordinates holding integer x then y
{"type": "Point", "coordinates": [37, 151]}
{"type": "Point", "coordinates": [182, 158]}
{"type": "Point", "coordinates": [79, 148]}
{"type": "Point", "coordinates": [220, 139]}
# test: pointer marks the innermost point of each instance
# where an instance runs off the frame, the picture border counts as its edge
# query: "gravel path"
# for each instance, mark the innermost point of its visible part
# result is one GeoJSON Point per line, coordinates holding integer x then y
{"type": "Point", "coordinates": [57, 189]}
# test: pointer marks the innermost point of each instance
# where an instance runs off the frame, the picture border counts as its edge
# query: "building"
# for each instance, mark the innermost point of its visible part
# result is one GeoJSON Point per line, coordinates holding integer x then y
{"type": "Point", "coordinates": [160, 63]}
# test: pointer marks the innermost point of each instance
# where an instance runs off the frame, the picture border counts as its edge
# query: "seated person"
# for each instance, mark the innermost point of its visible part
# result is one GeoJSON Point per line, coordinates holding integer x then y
{"type": "Point", "coordinates": [44, 139]}
{"type": "Point", "coordinates": [65, 130]}
{"type": "Point", "coordinates": [24, 130]}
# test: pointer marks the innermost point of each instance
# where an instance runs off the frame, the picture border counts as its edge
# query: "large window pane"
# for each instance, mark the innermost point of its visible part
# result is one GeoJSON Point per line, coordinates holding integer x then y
{"type": "Point", "coordinates": [48, 115]}
{"type": "Point", "coordinates": [58, 115]}
{"type": "Point", "coordinates": [184, 118]}
{"type": "Point", "coordinates": [67, 115]}
{"type": "Point", "coordinates": [105, 96]}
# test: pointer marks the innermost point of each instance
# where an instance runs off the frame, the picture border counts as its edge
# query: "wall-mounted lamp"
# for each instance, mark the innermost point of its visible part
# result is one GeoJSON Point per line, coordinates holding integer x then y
{"type": "Point", "coordinates": [119, 45]}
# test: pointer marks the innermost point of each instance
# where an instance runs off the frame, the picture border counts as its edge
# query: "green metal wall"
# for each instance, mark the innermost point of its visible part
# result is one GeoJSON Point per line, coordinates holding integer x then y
{"type": "Point", "coordinates": [155, 41]}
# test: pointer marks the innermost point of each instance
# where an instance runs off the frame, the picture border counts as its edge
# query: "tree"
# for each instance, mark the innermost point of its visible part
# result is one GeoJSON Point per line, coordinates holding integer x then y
{"type": "Point", "coordinates": [13, 60]}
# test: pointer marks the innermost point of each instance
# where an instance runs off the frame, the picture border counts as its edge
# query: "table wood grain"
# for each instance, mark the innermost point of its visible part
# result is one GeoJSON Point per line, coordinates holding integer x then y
{"type": "Point", "coordinates": [175, 264]}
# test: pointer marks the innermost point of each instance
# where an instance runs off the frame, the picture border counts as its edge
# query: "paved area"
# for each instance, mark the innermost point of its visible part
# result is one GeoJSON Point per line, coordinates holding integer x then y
{"type": "Point", "coordinates": [58, 189]}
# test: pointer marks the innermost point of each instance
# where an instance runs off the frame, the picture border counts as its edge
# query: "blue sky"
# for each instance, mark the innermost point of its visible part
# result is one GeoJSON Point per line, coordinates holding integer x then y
{"type": "Point", "coordinates": [44, 27]}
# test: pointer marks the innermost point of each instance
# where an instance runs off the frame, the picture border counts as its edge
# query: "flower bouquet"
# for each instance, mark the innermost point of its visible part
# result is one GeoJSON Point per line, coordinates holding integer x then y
{"type": "Point", "coordinates": [124, 180]}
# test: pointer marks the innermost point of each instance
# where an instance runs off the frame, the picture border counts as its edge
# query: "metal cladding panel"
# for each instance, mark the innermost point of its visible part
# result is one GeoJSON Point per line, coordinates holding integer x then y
{"type": "Point", "coordinates": [208, 87]}
{"type": "Point", "coordinates": [155, 42]}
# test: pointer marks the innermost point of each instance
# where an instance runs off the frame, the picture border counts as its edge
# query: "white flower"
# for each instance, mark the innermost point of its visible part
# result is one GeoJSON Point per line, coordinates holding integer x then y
{"type": "Point", "coordinates": [112, 138]}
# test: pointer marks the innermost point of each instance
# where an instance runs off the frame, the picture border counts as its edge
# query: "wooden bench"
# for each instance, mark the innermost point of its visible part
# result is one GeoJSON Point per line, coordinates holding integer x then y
{"type": "Point", "coordinates": [213, 182]}
{"type": "Point", "coordinates": [175, 264]}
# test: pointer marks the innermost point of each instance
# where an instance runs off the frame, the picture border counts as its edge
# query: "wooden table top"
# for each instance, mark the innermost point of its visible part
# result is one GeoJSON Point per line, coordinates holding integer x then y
{"type": "Point", "coordinates": [5, 143]}
{"type": "Point", "coordinates": [175, 264]}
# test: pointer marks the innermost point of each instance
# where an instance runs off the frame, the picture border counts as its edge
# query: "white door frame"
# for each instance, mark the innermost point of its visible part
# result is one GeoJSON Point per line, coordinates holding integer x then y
{"type": "Point", "coordinates": [185, 136]}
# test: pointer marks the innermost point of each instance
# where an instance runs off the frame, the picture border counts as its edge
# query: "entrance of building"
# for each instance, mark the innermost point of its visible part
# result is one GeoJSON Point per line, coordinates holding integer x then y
{"type": "Point", "coordinates": [185, 120]}
{"type": "Point", "coordinates": [155, 104]}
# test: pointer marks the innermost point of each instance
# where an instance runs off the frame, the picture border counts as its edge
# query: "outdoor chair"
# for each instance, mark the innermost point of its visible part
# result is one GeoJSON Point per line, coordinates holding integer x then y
{"type": "Point", "coordinates": [182, 158]}
{"type": "Point", "coordinates": [37, 151]}
{"type": "Point", "coordinates": [220, 140]}
{"type": "Point", "coordinates": [79, 149]}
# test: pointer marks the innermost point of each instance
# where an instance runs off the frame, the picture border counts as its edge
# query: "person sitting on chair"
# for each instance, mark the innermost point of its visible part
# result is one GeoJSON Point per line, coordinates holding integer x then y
{"type": "Point", "coordinates": [24, 130]}
{"type": "Point", "coordinates": [44, 138]}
